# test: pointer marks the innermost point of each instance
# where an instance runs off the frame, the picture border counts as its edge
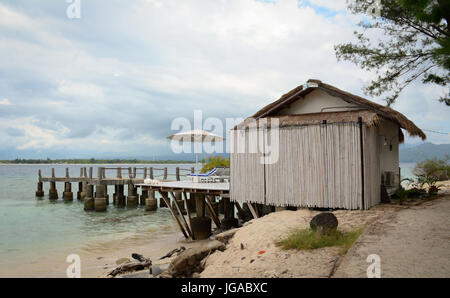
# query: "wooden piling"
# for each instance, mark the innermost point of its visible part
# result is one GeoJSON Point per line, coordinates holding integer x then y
{"type": "Point", "coordinates": [40, 190]}
{"type": "Point", "coordinates": [167, 202]}
{"type": "Point", "coordinates": [53, 193]}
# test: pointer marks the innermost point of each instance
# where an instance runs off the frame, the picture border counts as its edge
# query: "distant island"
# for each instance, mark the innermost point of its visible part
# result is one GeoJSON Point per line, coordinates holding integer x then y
{"type": "Point", "coordinates": [424, 151]}
{"type": "Point", "coordinates": [94, 161]}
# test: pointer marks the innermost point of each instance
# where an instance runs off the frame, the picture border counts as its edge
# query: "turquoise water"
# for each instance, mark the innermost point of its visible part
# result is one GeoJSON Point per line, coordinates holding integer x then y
{"type": "Point", "coordinates": [30, 227]}
{"type": "Point", "coordinates": [406, 169]}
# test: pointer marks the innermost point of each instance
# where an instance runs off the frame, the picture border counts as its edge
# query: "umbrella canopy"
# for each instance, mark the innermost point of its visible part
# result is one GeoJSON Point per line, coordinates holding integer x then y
{"type": "Point", "coordinates": [196, 136]}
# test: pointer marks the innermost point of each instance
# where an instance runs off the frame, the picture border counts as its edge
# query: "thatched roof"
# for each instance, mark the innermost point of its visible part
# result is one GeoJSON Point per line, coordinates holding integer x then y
{"type": "Point", "coordinates": [366, 105]}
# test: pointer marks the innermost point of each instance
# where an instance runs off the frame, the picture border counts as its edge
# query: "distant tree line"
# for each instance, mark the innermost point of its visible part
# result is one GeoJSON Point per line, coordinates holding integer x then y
{"type": "Point", "coordinates": [93, 161]}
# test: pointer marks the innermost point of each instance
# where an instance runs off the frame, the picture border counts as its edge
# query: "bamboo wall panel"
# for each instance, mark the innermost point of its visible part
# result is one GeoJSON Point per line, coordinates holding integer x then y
{"type": "Point", "coordinates": [318, 166]}
{"type": "Point", "coordinates": [246, 169]}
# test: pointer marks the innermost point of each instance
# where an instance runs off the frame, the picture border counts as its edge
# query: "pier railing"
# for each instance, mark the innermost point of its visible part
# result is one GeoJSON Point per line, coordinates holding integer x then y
{"type": "Point", "coordinates": [119, 173]}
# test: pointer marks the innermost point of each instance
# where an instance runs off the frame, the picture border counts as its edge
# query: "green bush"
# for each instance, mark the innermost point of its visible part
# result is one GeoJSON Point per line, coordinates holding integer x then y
{"type": "Point", "coordinates": [214, 162]}
{"type": "Point", "coordinates": [430, 171]}
{"type": "Point", "coordinates": [303, 239]}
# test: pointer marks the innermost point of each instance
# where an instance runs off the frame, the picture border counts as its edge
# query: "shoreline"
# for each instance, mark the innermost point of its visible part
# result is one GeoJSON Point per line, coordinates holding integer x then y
{"type": "Point", "coordinates": [97, 258]}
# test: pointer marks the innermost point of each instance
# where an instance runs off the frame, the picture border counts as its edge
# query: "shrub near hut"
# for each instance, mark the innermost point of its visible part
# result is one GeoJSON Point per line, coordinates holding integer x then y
{"type": "Point", "coordinates": [430, 171]}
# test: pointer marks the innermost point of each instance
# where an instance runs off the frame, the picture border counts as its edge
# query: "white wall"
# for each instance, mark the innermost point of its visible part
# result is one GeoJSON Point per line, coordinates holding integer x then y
{"type": "Point", "coordinates": [314, 102]}
{"type": "Point", "coordinates": [389, 159]}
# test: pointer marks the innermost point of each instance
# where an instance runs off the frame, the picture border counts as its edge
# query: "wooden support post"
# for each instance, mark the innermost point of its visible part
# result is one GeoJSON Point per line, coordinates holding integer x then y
{"type": "Point", "coordinates": [134, 172]}
{"type": "Point", "coordinates": [177, 173]}
{"type": "Point", "coordinates": [188, 211]}
{"type": "Point", "coordinates": [199, 204]}
{"type": "Point", "coordinates": [119, 172]}
{"type": "Point", "coordinates": [130, 174]}
{"type": "Point", "coordinates": [145, 173]}
{"type": "Point", "coordinates": [167, 201]}
{"type": "Point", "coordinates": [81, 172]}
{"type": "Point", "coordinates": [165, 173]}
{"type": "Point", "coordinates": [192, 170]}
{"type": "Point", "coordinates": [181, 215]}
{"type": "Point", "coordinates": [90, 172]}
{"type": "Point", "coordinates": [39, 174]}
{"type": "Point", "coordinates": [85, 172]}
{"type": "Point", "coordinates": [40, 189]}
{"type": "Point", "coordinates": [228, 208]}
{"type": "Point", "coordinates": [151, 173]}
{"type": "Point", "coordinates": [252, 210]}
{"type": "Point", "coordinates": [214, 216]}
{"type": "Point", "coordinates": [53, 172]}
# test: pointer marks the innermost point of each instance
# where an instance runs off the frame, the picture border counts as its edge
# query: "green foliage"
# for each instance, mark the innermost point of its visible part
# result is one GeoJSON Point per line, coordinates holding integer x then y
{"type": "Point", "coordinates": [415, 44]}
{"type": "Point", "coordinates": [303, 239]}
{"type": "Point", "coordinates": [214, 162]}
{"type": "Point", "coordinates": [431, 171]}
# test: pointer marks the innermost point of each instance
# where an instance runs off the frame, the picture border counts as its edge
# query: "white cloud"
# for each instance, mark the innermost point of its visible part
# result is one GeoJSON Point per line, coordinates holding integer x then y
{"type": "Point", "coordinates": [5, 102]}
{"type": "Point", "coordinates": [80, 90]}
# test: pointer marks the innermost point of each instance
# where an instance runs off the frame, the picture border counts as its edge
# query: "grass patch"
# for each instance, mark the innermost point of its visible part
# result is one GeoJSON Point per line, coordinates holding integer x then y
{"type": "Point", "coordinates": [303, 239]}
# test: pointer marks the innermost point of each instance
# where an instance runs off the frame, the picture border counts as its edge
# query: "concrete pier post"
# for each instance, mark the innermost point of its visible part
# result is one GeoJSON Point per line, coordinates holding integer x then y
{"type": "Point", "coordinates": [151, 204]}
{"type": "Point", "coordinates": [40, 189]}
{"type": "Point", "coordinates": [115, 196]}
{"type": "Point", "coordinates": [67, 194]}
{"type": "Point", "coordinates": [106, 194]}
{"type": "Point", "coordinates": [132, 199]}
{"type": "Point", "coordinates": [89, 198]}
{"type": "Point", "coordinates": [121, 200]}
{"type": "Point", "coordinates": [83, 190]}
{"type": "Point", "coordinates": [80, 189]}
{"type": "Point", "coordinates": [100, 200]}
{"type": "Point", "coordinates": [143, 197]}
{"type": "Point", "coordinates": [53, 193]}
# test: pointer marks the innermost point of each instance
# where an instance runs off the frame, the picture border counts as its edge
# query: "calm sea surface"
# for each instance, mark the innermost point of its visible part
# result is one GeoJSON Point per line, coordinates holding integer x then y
{"type": "Point", "coordinates": [30, 226]}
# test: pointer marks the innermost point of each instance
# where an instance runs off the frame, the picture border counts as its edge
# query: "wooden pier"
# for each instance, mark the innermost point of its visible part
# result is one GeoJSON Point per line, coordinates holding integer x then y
{"type": "Point", "coordinates": [181, 197]}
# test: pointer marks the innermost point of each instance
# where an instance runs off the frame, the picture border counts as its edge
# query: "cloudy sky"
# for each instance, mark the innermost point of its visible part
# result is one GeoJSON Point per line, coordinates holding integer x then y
{"type": "Point", "coordinates": [110, 83]}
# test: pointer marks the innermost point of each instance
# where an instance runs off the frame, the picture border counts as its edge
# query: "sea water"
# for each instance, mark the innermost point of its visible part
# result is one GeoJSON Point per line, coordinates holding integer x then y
{"type": "Point", "coordinates": [32, 227]}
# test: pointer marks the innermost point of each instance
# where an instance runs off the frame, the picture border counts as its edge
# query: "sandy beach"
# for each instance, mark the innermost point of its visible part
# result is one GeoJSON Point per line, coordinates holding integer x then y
{"type": "Point", "coordinates": [404, 233]}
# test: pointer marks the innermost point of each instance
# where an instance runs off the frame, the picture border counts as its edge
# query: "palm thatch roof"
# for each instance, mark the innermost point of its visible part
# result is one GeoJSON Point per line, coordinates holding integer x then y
{"type": "Point", "coordinates": [370, 111]}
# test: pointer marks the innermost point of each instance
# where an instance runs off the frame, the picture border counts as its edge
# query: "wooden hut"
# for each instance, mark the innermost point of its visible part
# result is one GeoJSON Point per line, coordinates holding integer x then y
{"type": "Point", "coordinates": [335, 150]}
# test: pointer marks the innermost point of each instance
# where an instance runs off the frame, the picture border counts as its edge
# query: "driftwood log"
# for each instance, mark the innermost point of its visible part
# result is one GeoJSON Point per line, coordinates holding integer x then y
{"type": "Point", "coordinates": [178, 251]}
{"type": "Point", "coordinates": [143, 263]}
